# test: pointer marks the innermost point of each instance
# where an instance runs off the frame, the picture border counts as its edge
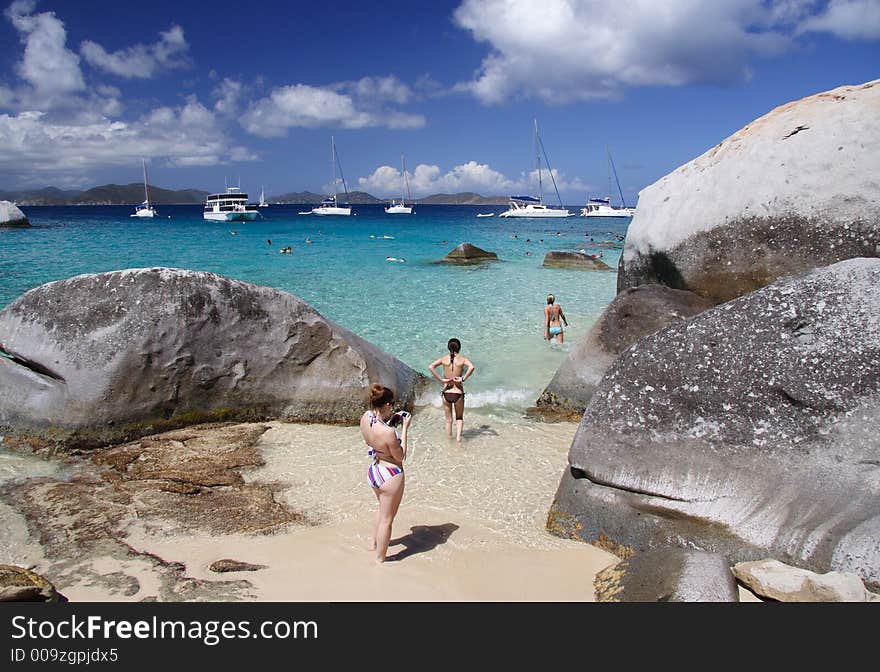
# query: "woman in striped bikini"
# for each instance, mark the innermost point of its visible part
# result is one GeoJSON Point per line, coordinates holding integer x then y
{"type": "Point", "coordinates": [387, 451]}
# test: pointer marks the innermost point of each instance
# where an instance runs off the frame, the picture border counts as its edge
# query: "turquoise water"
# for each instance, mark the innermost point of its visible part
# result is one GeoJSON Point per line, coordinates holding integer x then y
{"type": "Point", "coordinates": [409, 309]}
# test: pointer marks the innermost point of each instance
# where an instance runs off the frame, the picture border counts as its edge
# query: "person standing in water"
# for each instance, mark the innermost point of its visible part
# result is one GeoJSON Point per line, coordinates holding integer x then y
{"type": "Point", "coordinates": [553, 330]}
{"type": "Point", "coordinates": [387, 451]}
{"type": "Point", "coordinates": [454, 375]}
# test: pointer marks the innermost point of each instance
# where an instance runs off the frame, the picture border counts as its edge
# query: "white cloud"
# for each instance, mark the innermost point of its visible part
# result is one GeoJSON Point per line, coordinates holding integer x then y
{"type": "Point", "coordinates": [849, 19]}
{"type": "Point", "coordinates": [358, 104]}
{"type": "Point", "coordinates": [566, 50]}
{"type": "Point", "coordinates": [51, 70]}
{"type": "Point", "coordinates": [472, 176]}
{"type": "Point", "coordinates": [228, 94]}
{"type": "Point", "coordinates": [40, 150]}
{"type": "Point", "coordinates": [140, 61]}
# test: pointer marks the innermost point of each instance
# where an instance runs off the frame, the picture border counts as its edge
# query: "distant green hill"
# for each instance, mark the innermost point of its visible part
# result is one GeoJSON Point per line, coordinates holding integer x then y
{"type": "Point", "coordinates": [115, 194]}
{"type": "Point", "coordinates": [354, 197]}
{"type": "Point", "coordinates": [465, 198]}
{"type": "Point", "coordinates": [131, 194]}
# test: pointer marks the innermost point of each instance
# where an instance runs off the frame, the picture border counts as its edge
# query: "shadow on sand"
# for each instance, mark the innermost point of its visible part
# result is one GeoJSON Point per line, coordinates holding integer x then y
{"type": "Point", "coordinates": [422, 538]}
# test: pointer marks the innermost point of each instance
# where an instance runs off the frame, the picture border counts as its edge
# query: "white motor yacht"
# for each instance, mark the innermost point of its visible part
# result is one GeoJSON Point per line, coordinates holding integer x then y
{"type": "Point", "coordinates": [231, 206]}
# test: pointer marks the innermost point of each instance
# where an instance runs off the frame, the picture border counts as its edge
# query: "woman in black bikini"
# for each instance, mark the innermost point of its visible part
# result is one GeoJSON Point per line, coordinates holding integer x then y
{"type": "Point", "coordinates": [453, 388]}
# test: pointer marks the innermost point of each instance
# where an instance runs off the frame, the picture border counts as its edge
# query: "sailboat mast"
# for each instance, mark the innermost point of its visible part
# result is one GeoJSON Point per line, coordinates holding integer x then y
{"type": "Point", "coordinates": [405, 177]}
{"type": "Point", "coordinates": [146, 193]}
{"type": "Point", "coordinates": [611, 165]}
{"type": "Point", "coordinates": [333, 163]}
{"type": "Point", "coordinates": [538, 163]}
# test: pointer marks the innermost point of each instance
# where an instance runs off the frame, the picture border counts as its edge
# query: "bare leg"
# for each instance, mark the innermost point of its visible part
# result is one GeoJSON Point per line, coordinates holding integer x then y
{"type": "Point", "coordinates": [459, 419]}
{"type": "Point", "coordinates": [447, 408]}
{"type": "Point", "coordinates": [389, 495]}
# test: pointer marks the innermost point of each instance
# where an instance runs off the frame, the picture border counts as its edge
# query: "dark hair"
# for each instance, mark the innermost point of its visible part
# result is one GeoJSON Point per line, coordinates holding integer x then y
{"type": "Point", "coordinates": [454, 346]}
{"type": "Point", "coordinates": [550, 298]}
{"type": "Point", "coordinates": [380, 395]}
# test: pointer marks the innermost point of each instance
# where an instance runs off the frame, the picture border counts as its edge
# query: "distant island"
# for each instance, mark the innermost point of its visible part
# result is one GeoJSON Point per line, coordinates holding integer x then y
{"type": "Point", "coordinates": [131, 194]}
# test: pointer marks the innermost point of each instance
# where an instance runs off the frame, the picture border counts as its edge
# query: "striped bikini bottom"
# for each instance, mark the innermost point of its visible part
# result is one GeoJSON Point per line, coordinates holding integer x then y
{"type": "Point", "coordinates": [379, 473]}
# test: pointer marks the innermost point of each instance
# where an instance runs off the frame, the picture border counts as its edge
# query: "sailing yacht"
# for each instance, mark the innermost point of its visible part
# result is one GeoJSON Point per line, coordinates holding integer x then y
{"type": "Point", "coordinates": [262, 203]}
{"type": "Point", "coordinates": [533, 206]}
{"type": "Point", "coordinates": [601, 207]}
{"type": "Point", "coordinates": [401, 208]}
{"type": "Point", "coordinates": [144, 209]}
{"type": "Point", "coordinates": [330, 205]}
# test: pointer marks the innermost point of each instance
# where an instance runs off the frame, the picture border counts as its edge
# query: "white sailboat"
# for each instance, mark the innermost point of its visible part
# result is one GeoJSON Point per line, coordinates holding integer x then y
{"type": "Point", "coordinates": [144, 209]}
{"type": "Point", "coordinates": [262, 202]}
{"type": "Point", "coordinates": [401, 208]}
{"type": "Point", "coordinates": [330, 206]}
{"type": "Point", "coordinates": [533, 206]}
{"type": "Point", "coordinates": [601, 207]}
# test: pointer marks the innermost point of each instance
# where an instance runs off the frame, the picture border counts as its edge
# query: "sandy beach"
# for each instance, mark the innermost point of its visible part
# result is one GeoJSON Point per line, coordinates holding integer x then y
{"type": "Point", "coordinates": [470, 528]}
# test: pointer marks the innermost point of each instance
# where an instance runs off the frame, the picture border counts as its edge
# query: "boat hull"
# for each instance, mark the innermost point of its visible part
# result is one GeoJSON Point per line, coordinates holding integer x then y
{"type": "Point", "coordinates": [331, 211]}
{"type": "Point", "coordinates": [144, 214]}
{"type": "Point", "coordinates": [398, 210]}
{"type": "Point", "coordinates": [536, 214]}
{"type": "Point", "coordinates": [231, 216]}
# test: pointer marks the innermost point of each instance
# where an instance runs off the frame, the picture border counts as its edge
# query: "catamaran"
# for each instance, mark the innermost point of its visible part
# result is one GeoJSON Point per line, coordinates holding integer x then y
{"type": "Point", "coordinates": [262, 203]}
{"type": "Point", "coordinates": [533, 206]}
{"type": "Point", "coordinates": [330, 205]}
{"type": "Point", "coordinates": [601, 207]}
{"type": "Point", "coordinates": [401, 208]}
{"type": "Point", "coordinates": [144, 209]}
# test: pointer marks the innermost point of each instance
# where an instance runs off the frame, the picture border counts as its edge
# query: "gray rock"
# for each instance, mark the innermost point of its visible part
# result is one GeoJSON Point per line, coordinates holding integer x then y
{"type": "Point", "coordinates": [633, 314]}
{"type": "Point", "coordinates": [748, 430]}
{"type": "Point", "coordinates": [564, 259]}
{"type": "Point", "coordinates": [793, 190]}
{"type": "Point", "coordinates": [18, 584]}
{"type": "Point", "coordinates": [778, 581]}
{"type": "Point", "coordinates": [105, 358]}
{"type": "Point", "coordinates": [228, 565]}
{"type": "Point", "coordinates": [12, 216]}
{"type": "Point", "coordinates": [668, 575]}
{"type": "Point", "coordinates": [468, 254]}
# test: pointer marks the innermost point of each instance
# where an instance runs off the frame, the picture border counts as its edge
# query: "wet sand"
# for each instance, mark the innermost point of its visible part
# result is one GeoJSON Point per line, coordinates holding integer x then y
{"type": "Point", "coordinates": [470, 528]}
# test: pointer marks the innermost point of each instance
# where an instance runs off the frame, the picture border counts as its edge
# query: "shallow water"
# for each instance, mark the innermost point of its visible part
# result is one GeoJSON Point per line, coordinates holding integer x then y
{"type": "Point", "coordinates": [409, 309]}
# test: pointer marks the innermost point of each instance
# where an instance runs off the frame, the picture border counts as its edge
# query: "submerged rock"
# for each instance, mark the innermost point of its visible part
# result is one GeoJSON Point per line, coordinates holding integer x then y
{"type": "Point", "coordinates": [793, 190]}
{"type": "Point", "coordinates": [469, 254]}
{"type": "Point", "coordinates": [228, 565]}
{"type": "Point", "coordinates": [668, 575]}
{"type": "Point", "coordinates": [633, 314]}
{"type": "Point", "coordinates": [108, 357]}
{"type": "Point", "coordinates": [564, 259]}
{"type": "Point", "coordinates": [12, 216]}
{"type": "Point", "coordinates": [748, 430]}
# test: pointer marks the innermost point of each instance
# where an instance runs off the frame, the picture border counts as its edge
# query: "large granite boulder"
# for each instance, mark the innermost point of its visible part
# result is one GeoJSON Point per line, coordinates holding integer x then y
{"type": "Point", "coordinates": [12, 216]}
{"type": "Point", "coordinates": [633, 314]}
{"type": "Point", "coordinates": [795, 189]}
{"type": "Point", "coordinates": [108, 357]}
{"type": "Point", "coordinates": [749, 430]}
{"type": "Point", "coordinates": [778, 581]}
{"type": "Point", "coordinates": [566, 259]}
{"type": "Point", "coordinates": [468, 254]}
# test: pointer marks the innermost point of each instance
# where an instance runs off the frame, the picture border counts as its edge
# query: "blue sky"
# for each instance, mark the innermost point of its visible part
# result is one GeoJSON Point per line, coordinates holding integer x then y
{"type": "Point", "coordinates": [211, 92]}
